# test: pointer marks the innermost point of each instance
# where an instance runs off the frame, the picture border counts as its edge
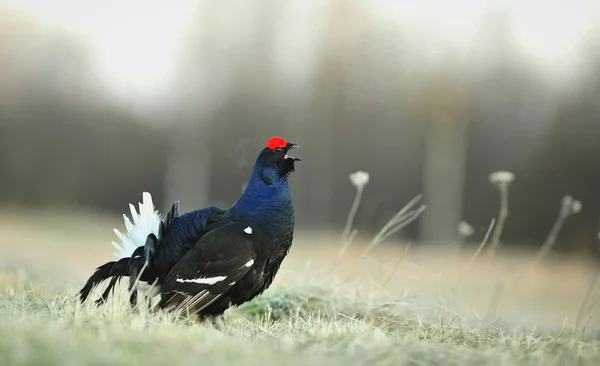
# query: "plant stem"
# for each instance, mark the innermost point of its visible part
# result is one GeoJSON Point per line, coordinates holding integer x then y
{"type": "Point", "coordinates": [483, 242]}
{"type": "Point", "coordinates": [352, 213]}
{"type": "Point", "coordinates": [502, 215]}
{"type": "Point", "coordinates": [588, 294]}
{"type": "Point", "coordinates": [563, 214]}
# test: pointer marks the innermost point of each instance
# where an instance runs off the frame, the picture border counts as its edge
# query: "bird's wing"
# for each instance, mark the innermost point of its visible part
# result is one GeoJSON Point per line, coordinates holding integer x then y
{"type": "Point", "coordinates": [206, 272]}
{"type": "Point", "coordinates": [177, 234]}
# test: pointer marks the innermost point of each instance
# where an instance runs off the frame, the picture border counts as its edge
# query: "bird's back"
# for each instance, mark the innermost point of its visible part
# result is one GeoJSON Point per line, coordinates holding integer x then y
{"type": "Point", "coordinates": [181, 234]}
{"type": "Point", "coordinates": [179, 245]}
{"type": "Point", "coordinates": [274, 220]}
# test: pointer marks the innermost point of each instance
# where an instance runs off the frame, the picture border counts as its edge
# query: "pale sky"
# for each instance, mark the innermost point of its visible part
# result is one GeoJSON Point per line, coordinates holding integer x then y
{"type": "Point", "coordinates": [136, 42]}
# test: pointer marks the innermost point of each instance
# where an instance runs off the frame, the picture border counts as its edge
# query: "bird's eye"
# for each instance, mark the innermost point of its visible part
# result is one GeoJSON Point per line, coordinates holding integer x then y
{"type": "Point", "coordinates": [278, 149]}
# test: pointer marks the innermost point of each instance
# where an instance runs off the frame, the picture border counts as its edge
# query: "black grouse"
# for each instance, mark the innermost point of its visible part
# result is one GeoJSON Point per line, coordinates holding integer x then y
{"type": "Point", "coordinates": [204, 261]}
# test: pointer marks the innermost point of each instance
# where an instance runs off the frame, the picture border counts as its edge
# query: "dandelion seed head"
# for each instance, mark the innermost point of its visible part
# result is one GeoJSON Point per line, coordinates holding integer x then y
{"type": "Point", "coordinates": [502, 179]}
{"type": "Point", "coordinates": [576, 207]}
{"type": "Point", "coordinates": [465, 229]}
{"type": "Point", "coordinates": [570, 206]}
{"type": "Point", "coordinates": [359, 179]}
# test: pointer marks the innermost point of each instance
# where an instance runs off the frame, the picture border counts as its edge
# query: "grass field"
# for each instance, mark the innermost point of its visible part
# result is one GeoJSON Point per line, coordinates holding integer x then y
{"type": "Point", "coordinates": [402, 306]}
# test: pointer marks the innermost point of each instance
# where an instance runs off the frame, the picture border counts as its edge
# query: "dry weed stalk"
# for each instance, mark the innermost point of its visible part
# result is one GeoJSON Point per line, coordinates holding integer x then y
{"type": "Point", "coordinates": [502, 181]}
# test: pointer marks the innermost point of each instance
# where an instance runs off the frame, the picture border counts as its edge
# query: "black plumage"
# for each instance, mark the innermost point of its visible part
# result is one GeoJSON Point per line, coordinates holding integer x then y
{"type": "Point", "coordinates": [204, 261]}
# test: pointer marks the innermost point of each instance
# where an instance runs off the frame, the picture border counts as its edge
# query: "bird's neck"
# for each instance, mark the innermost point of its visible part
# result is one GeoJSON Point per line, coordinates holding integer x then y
{"type": "Point", "coordinates": [270, 205]}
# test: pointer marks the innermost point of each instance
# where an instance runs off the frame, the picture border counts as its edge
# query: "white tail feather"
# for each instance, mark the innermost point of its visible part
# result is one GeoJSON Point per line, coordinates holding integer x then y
{"type": "Point", "coordinates": [138, 228]}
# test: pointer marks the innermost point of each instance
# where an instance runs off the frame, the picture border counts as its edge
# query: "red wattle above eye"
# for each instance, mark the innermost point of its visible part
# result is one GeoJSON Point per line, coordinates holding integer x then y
{"type": "Point", "coordinates": [276, 142]}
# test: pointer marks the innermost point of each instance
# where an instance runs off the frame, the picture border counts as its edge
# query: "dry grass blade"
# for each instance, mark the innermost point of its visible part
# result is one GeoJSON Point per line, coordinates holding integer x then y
{"type": "Point", "coordinates": [583, 308]}
{"type": "Point", "coordinates": [483, 242]}
{"type": "Point", "coordinates": [397, 265]}
{"type": "Point", "coordinates": [403, 222]}
{"type": "Point", "coordinates": [566, 210]}
{"type": "Point", "coordinates": [399, 221]}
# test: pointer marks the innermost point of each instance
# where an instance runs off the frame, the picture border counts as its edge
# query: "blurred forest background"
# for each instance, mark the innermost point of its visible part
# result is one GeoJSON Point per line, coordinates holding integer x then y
{"type": "Point", "coordinates": [102, 101]}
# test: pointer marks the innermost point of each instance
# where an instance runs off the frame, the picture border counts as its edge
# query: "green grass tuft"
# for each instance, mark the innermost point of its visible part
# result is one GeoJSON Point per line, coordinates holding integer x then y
{"type": "Point", "coordinates": [295, 324]}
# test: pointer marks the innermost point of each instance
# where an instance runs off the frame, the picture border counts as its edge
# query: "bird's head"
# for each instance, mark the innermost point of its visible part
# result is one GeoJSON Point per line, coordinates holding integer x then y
{"type": "Point", "coordinates": [274, 162]}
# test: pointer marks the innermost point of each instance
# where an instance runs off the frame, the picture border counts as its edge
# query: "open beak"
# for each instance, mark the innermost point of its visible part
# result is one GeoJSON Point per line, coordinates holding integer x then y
{"type": "Point", "coordinates": [289, 147]}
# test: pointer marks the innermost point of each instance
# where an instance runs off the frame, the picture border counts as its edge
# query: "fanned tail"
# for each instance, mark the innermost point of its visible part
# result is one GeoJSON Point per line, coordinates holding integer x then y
{"type": "Point", "coordinates": [138, 246]}
{"type": "Point", "coordinates": [118, 270]}
{"type": "Point", "coordinates": [101, 274]}
{"type": "Point", "coordinates": [142, 224]}
{"type": "Point", "coordinates": [138, 227]}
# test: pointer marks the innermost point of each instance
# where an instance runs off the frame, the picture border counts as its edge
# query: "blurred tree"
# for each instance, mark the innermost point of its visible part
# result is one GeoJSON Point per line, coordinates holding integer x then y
{"type": "Point", "coordinates": [444, 108]}
{"type": "Point", "coordinates": [61, 143]}
{"type": "Point", "coordinates": [204, 78]}
{"type": "Point", "coordinates": [568, 164]}
{"type": "Point", "coordinates": [511, 109]}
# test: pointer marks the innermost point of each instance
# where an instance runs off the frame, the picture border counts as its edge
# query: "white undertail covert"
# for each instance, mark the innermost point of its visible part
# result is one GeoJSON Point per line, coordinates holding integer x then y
{"type": "Point", "coordinates": [138, 227]}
